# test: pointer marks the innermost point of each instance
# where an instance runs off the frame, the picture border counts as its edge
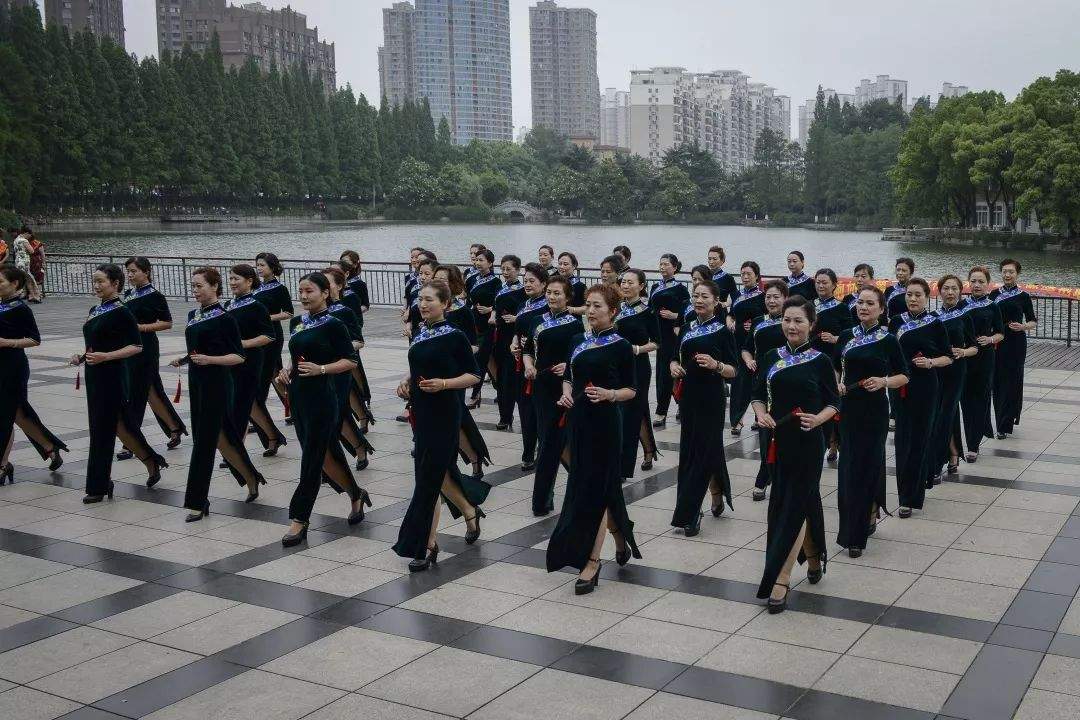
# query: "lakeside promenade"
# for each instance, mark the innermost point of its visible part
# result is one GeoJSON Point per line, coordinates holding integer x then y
{"type": "Point", "coordinates": [969, 611]}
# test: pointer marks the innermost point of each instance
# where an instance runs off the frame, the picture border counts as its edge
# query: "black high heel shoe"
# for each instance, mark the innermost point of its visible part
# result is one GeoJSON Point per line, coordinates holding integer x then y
{"type": "Point", "coordinates": [647, 463]}
{"type": "Point", "coordinates": [155, 477]}
{"type": "Point", "coordinates": [7, 476]}
{"type": "Point", "coordinates": [507, 427]}
{"type": "Point", "coordinates": [357, 516]}
{"type": "Point", "coordinates": [584, 587]}
{"type": "Point", "coordinates": [253, 495]}
{"type": "Point", "coordinates": [953, 468]}
{"type": "Point", "coordinates": [778, 606]}
{"type": "Point", "coordinates": [124, 454]}
{"type": "Point", "coordinates": [478, 470]}
{"type": "Point", "coordinates": [717, 508]}
{"type": "Point", "coordinates": [474, 403]}
{"type": "Point", "coordinates": [814, 576]}
{"type": "Point", "coordinates": [290, 540]}
{"type": "Point", "coordinates": [199, 515]}
{"type": "Point", "coordinates": [660, 421]}
{"type": "Point", "coordinates": [472, 536]}
{"type": "Point", "coordinates": [621, 556]}
{"type": "Point", "coordinates": [91, 499]}
{"type": "Point", "coordinates": [421, 564]}
{"type": "Point", "coordinates": [362, 463]}
{"type": "Point", "coordinates": [57, 461]}
{"type": "Point", "coordinates": [272, 450]}
{"type": "Point", "coordinates": [174, 441]}
{"type": "Point", "coordinates": [694, 527]}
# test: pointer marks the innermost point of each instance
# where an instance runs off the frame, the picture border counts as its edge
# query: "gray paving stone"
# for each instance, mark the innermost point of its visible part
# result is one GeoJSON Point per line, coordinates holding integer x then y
{"type": "Point", "coordinates": [889, 683]}
{"type": "Point", "coordinates": [28, 704]}
{"type": "Point", "coordinates": [352, 707]}
{"type": "Point", "coordinates": [347, 549]}
{"type": "Point", "coordinates": [1058, 674]}
{"type": "Point", "coordinates": [980, 567]}
{"type": "Point", "coordinates": [163, 615]}
{"type": "Point", "coordinates": [90, 681]}
{"type": "Point", "coordinates": [450, 681]}
{"type": "Point", "coordinates": [664, 706]}
{"type": "Point", "coordinates": [557, 695]}
{"type": "Point", "coordinates": [1006, 518]}
{"type": "Point", "coordinates": [348, 580]}
{"type": "Point", "coordinates": [350, 658]}
{"type": "Point", "coordinates": [856, 582]}
{"type": "Point", "coordinates": [954, 597]}
{"type": "Point", "coordinates": [65, 589]}
{"type": "Point", "coordinates": [465, 603]}
{"type": "Point", "coordinates": [815, 631]}
{"type": "Point", "coordinates": [290, 569]}
{"type": "Point", "coordinates": [1043, 705]}
{"type": "Point", "coordinates": [1004, 542]}
{"type": "Point", "coordinates": [610, 595]}
{"type": "Point", "coordinates": [44, 657]}
{"type": "Point", "coordinates": [558, 620]}
{"type": "Point", "coordinates": [923, 650]}
{"type": "Point", "coordinates": [254, 695]}
{"type": "Point", "coordinates": [767, 660]}
{"type": "Point", "coordinates": [224, 629]}
{"type": "Point", "coordinates": [18, 569]}
{"type": "Point", "coordinates": [658, 639]}
{"type": "Point", "coordinates": [708, 613]}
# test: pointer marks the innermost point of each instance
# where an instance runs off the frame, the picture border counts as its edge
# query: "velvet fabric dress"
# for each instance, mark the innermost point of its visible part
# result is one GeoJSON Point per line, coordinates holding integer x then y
{"type": "Point", "coordinates": [978, 392]}
{"type": "Point", "coordinates": [252, 319]}
{"type": "Point", "coordinates": [508, 301]}
{"type": "Point", "coordinates": [318, 403]}
{"type": "Point", "coordinates": [833, 316]}
{"type": "Point", "coordinates": [440, 351]}
{"type": "Point", "coordinates": [276, 298]}
{"type": "Point", "coordinates": [577, 292]}
{"type": "Point", "coordinates": [667, 295]}
{"type": "Point", "coordinates": [801, 285]}
{"type": "Point", "coordinates": [549, 345]}
{"type": "Point", "coordinates": [462, 316]}
{"type": "Point", "coordinates": [594, 439]}
{"type": "Point", "coordinates": [1015, 306]}
{"type": "Point", "coordinates": [357, 285]}
{"type": "Point", "coordinates": [150, 306]}
{"type": "Point", "coordinates": [961, 331]}
{"type": "Point", "coordinates": [746, 307]}
{"type": "Point", "coordinates": [703, 409]}
{"type": "Point", "coordinates": [864, 427]}
{"type": "Point", "coordinates": [16, 322]}
{"type": "Point", "coordinates": [729, 289]}
{"type": "Point", "coordinates": [918, 403]}
{"type": "Point", "coordinates": [895, 301]}
{"type": "Point", "coordinates": [212, 331]}
{"type": "Point", "coordinates": [767, 334]}
{"type": "Point", "coordinates": [482, 291]}
{"type": "Point", "coordinates": [110, 327]}
{"type": "Point", "coordinates": [637, 323]}
{"type": "Point", "coordinates": [529, 317]}
{"type": "Point", "coordinates": [794, 378]}
{"type": "Point", "coordinates": [349, 387]}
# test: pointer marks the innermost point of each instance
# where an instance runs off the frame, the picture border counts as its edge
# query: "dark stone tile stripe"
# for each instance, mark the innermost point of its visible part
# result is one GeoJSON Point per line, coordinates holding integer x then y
{"type": "Point", "coordinates": [95, 610]}
{"type": "Point", "coordinates": [31, 631]}
{"type": "Point", "coordinates": [170, 688]}
{"type": "Point", "coordinates": [818, 705]}
{"type": "Point", "coordinates": [994, 684]}
{"type": "Point", "coordinates": [1021, 637]}
{"type": "Point", "coordinates": [283, 640]}
{"type": "Point", "coordinates": [89, 713]}
{"type": "Point", "coordinates": [1066, 645]}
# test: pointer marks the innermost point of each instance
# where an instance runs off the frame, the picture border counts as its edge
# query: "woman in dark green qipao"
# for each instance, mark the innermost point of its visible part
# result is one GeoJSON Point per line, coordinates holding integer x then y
{"type": "Point", "coordinates": [472, 448]}
{"type": "Point", "coordinates": [766, 334]}
{"type": "Point", "coordinates": [545, 356]}
{"type": "Point", "coordinates": [151, 311]}
{"type": "Point", "coordinates": [112, 337]}
{"type": "Point", "coordinates": [508, 301]}
{"type": "Point", "coordinates": [870, 362]}
{"type": "Point", "coordinates": [953, 314]}
{"type": "Point", "coordinates": [353, 436]}
{"type": "Point", "coordinates": [794, 396]}
{"type": "Point", "coordinates": [669, 300]}
{"type": "Point", "coordinates": [482, 289]}
{"type": "Point", "coordinates": [1018, 315]}
{"type": "Point", "coordinates": [275, 296]}
{"type": "Point", "coordinates": [833, 317]}
{"type": "Point", "coordinates": [534, 282]}
{"type": "Point", "coordinates": [746, 306]}
{"type": "Point", "coordinates": [256, 334]}
{"type": "Point", "coordinates": [978, 392]}
{"type": "Point", "coordinates": [637, 324]}
{"type": "Point", "coordinates": [441, 366]}
{"type": "Point", "coordinates": [599, 379]}
{"type": "Point", "coordinates": [321, 352]}
{"type": "Point", "coordinates": [214, 347]}
{"type": "Point", "coordinates": [926, 348]}
{"type": "Point", "coordinates": [354, 295]}
{"type": "Point", "coordinates": [706, 357]}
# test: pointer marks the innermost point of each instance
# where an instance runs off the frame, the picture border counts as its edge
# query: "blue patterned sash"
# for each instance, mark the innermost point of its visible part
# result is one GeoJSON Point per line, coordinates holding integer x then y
{"type": "Point", "coordinates": [698, 330]}
{"type": "Point", "coordinates": [787, 360]}
{"type": "Point", "coordinates": [200, 315]}
{"type": "Point", "coordinates": [864, 338]}
{"type": "Point", "coordinates": [827, 305]}
{"type": "Point", "coordinates": [553, 322]}
{"type": "Point", "coordinates": [947, 315]}
{"type": "Point", "coordinates": [532, 305]}
{"type": "Point", "coordinates": [591, 342]}
{"type": "Point", "coordinates": [135, 293]}
{"type": "Point", "coordinates": [507, 288]}
{"type": "Point", "coordinates": [103, 308]}
{"type": "Point", "coordinates": [267, 286]}
{"type": "Point", "coordinates": [746, 296]}
{"type": "Point", "coordinates": [664, 285]}
{"type": "Point", "coordinates": [307, 322]}
{"type": "Point", "coordinates": [766, 322]}
{"type": "Point", "coordinates": [910, 324]}
{"type": "Point", "coordinates": [238, 303]}
{"type": "Point", "coordinates": [10, 305]}
{"type": "Point", "coordinates": [628, 310]}
{"type": "Point", "coordinates": [1006, 294]}
{"type": "Point", "coordinates": [426, 333]}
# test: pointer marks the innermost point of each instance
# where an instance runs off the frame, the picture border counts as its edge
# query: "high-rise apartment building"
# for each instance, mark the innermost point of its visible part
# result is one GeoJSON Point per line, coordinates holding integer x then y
{"type": "Point", "coordinates": [884, 88]}
{"type": "Point", "coordinates": [948, 90]}
{"type": "Point", "coordinates": [104, 18]}
{"type": "Point", "coordinates": [807, 111]}
{"type": "Point", "coordinates": [278, 38]}
{"type": "Point", "coordinates": [721, 111]}
{"type": "Point", "coordinates": [615, 118]}
{"type": "Point", "coordinates": [397, 65]}
{"type": "Point", "coordinates": [565, 86]}
{"type": "Point", "coordinates": [459, 58]}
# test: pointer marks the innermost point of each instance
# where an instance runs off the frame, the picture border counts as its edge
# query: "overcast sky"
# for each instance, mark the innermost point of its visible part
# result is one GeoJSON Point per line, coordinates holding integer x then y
{"type": "Point", "coordinates": [792, 45]}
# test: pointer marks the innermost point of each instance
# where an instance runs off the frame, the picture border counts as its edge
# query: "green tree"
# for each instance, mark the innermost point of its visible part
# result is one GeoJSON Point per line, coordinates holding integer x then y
{"type": "Point", "coordinates": [494, 188]}
{"type": "Point", "coordinates": [564, 190]}
{"type": "Point", "coordinates": [677, 194]}
{"type": "Point", "coordinates": [607, 192]}
{"type": "Point", "coordinates": [415, 186]}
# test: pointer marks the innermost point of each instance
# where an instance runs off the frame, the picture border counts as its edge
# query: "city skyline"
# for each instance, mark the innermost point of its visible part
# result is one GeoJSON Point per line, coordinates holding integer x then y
{"type": "Point", "coordinates": [798, 46]}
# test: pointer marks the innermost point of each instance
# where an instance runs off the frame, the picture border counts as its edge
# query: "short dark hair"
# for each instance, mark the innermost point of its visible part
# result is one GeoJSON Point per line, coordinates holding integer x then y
{"type": "Point", "coordinates": [562, 281]}
{"type": "Point", "coordinates": [719, 251]}
{"type": "Point", "coordinates": [798, 254]}
{"type": "Point", "coordinates": [642, 280]}
{"type": "Point", "coordinates": [709, 285]}
{"type": "Point", "coordinates": [548, 248]}
{"type": "Point", "coordinates": [704, 272]}
{"type": "Point", "coordinates": [113, 273]}
{"type": "Point", "coordinates": [617, 263]}
{"type": "Point", "coordinates": [673, 259]}
{"type": "Point", "coordinates": [829, 272]}
{"type": "Point", "coordinates": [487, 255]}
{"type": "Point", "coordinates": [778, 284]}
{"type": "Point", "coordinates": [337, 273]}
{"type": "Point", "coordinates": [141, 262]}
{"type": "Point", "coordinates": [428, 261]}
{"type": "Point", "coordinates": [622, 250]}
{"type": "Point", "coordinates": [906, 261]}
{"type": "Point", "coordinates": [980, 269]}
{"type": "Point", "coordinates": [947, 277]}
{"type": "Point", "coordinates": [211, 275]}
{"type": "Point", "coordinates": [1010, 261]}
{"type": "Point", "coordinates": [442, 290]}
{"type": "Point", "coordinates": [272, 262]}
{"type": "Point", "coordinates": [248, 273]}
{"type": "Point", "coordinates": [14, 275]}
{"type": "Point", "coordinates": [864, 266]}
{"type": "Point", "coordinates": [608, 292]}
{"type": "Point", "coordinates": [798, 301]}
{"type": "Point", "coordinates": [572, 256]}
{"type": "Point", "coordinates": [319, 280]}
{"type": "Point", "coordinates": [753, 266]}
{"type": "Point", "coordinates": [350, 263]}
{"type": "Point", "coordinates": [454, 278]}
{"type": "Point", "coordinates": [921, 283]}
{"type": "Point", "coordinates": [538, 271]}
{"type": "Point", "coordinates": [877, 293]}
{"type": "Point", "coordinates": [512, 259]}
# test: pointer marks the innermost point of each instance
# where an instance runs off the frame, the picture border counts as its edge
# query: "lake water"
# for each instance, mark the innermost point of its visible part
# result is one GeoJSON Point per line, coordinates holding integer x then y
{"type": "Point", "coordinates": [389, 243]}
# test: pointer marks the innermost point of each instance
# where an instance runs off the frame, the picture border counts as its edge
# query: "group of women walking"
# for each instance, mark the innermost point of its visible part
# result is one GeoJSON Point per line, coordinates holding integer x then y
{"type": "Point", "coordinates": [825, 377]}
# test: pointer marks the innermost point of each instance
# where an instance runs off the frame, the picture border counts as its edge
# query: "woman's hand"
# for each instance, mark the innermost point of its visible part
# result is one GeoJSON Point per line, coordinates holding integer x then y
{"type": "Point", "coordinates": [76, 359]}
{"type": "Point", "coordinates": [599, 394]}
{"type": "Point", "coordinates": [309, 369]}
{"type": "Point", "coordinates": [668, 314]}
{"type": "Point", "coordinates": [984, 340]}
{"type": "Point", "coordinates": [566, 401]}
{"type": "Point", "coordinates": [751, 364]}
{"type": "Point", "coordinates": [483, 309]}
{"type": "Point", "coordinates": [359, 345]}
{"type": "Point", "coordinates": [558, 370]}
{"type": "Point", "coordinates": [96, 358]}
{"type": "Point", "coordinates": [515, 349]}
{"type": "Point", "coordinates": [677, 370]}
{"type": "Point", "coordinates": [509, 318]}
{"type": "Point", "coordinates": [959, 353]}
{"type": "Point", "coordinates": [809, 421]}
{"type": "Point", "coordinates": [707, 362]}
{"type": "Point", "coordinates": [403, 389]}
{"type": "Point", "coordinates": [765, 420]}
{"type": "Point", "coordinates": [829, 337]}
{"type": "Point", "coordinates": [923, 363]}
{"type": "Point", "coordinates": [432, 386]}
{"type": "Point", "coordinates": [530, 372]}
{"type": "Point", "coordinates": [873, 384]}
{"type": "Point", "coordinates": [406, 331]}
{"type": "Point", "coordinates": [1017, 326]}
{"type": "Point", "coordinates": [176, 362]}
{"type": "Point", "coordinates": [283, 376]}
{"type": "Point", "coordinates": [200, 359]}
{"type": "Point", "coordinates": [730, 323]}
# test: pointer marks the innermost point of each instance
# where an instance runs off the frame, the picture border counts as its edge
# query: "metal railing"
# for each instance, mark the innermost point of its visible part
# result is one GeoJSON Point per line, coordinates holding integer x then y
{"type": "Point", "coordinates": [1059, 318]}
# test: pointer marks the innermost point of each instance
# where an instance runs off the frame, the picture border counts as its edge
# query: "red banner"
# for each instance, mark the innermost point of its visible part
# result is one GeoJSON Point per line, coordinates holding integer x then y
{"type": "Point", "coordinates": [847, 285]}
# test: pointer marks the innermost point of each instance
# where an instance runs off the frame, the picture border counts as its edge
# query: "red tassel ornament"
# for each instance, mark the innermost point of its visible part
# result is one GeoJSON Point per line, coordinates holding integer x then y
{"type": "Point", "coordinates": [528, 388]}
{"type": "Point", "coordinates": [770, 456]}
{"type": "Point", "coordinates": [176, 396]}
{"type": "Point", "coordinates": [676, 391]}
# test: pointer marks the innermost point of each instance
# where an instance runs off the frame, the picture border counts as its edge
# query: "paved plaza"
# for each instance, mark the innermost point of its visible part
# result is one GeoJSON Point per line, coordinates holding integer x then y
{"type": "Point", "coordinates": [121, 610]}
